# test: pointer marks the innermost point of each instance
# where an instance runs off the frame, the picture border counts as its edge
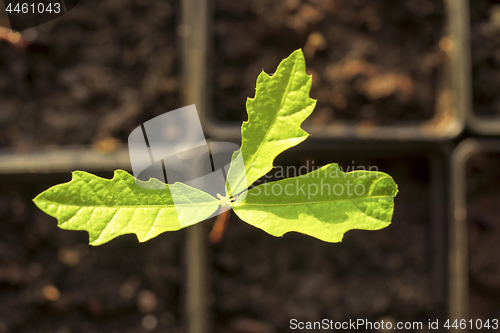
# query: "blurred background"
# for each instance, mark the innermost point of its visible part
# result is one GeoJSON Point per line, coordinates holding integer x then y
{"type": "Point", "coordinates": [88, 78]}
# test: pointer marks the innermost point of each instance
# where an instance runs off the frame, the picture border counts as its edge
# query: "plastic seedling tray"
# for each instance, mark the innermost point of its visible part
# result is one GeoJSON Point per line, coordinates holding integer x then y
{"type": "Point", "coordinates": [447, 122]}
{"type": "Point", "coordinates": [422, 174]}
{"type": "Point", "coordinates": [28, 169]}
{"type": "Point", "coordinates": [54, 281]}
{"type": "Point", "coordinates": [394, 274]}
{"type": "Point", "coordinates": [42, 169]}
{"type": "Point", "coordinates": [90, 77]}
{"type": "Point", "coordinates": [64, 159]}
{"type": "Point", "coordinates": [352, 102]}
{"type": "Point", "coordinates": [85, 76]}
{"type": "Point", "coordinates": [474, 264]}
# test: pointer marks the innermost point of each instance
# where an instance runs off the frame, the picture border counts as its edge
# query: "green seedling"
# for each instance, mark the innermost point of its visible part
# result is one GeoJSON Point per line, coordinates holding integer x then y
{"type": "Point", "coordinates": [325, 203]}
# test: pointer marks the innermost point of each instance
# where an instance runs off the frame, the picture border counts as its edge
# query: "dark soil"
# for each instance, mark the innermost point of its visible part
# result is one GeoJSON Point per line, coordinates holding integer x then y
{"type": "Point", "coordinates": [373, 61]}
{"type": "Point", "coordinates": [261, 282]}
{"type": "Point", "coordinates": [485, 40]}
{"type": "Point", "coordinates": [97, 72]}
{"type": "Point", "coordinates": [93, 74]}
{"type": "Point", "coordinates": [483, 200]}
{"type": "Point", "coordinates": [51, 281]}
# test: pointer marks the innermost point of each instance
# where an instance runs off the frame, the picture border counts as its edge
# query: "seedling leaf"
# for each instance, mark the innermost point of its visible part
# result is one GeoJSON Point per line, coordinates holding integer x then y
{"type": "Point", "coordinates": [325, 203]}
{"type": "Point", "coordinates": [280, 105]}
{"type": "Point", "coordinates": [108, 208]}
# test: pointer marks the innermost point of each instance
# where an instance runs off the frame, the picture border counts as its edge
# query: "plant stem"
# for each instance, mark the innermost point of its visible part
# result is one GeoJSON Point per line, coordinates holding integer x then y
{"type": "Point", "coordinates": [217, 232]}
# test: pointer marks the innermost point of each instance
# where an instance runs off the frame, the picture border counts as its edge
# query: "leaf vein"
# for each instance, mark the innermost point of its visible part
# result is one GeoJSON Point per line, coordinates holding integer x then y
{"type": "Point", "coordinates": [308, 203]}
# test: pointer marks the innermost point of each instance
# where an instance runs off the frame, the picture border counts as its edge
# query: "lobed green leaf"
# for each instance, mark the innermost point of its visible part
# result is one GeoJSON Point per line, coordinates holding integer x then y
{"type": "Point", "coordinates": [325, 203]}
{"type": "Point", "coordinates": [280, 106]}
{"type": "Point", "coordinates": [108, 208]}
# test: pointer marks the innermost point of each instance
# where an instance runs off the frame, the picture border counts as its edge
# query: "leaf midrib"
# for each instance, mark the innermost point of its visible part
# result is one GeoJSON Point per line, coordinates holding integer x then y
{"type": "Point", "coordinates": [309, 203]}
{"type": "Point", "coordinates": [130, 206]}
{"type": "Point", "coordinates": [287, 91]}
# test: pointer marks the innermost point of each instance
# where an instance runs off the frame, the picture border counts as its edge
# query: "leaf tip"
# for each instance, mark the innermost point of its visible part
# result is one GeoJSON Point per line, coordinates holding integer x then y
{"type": "Point", "coordinates": [36, 200]}
{"type": "Point", "coordinates": [95, 243]}
{"type": "Point", "coordinates": [298, 52]}
{"type": "Point", "coordinates": [120, 172]}
{"type": "Point", "coordinates": [77, 173]}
